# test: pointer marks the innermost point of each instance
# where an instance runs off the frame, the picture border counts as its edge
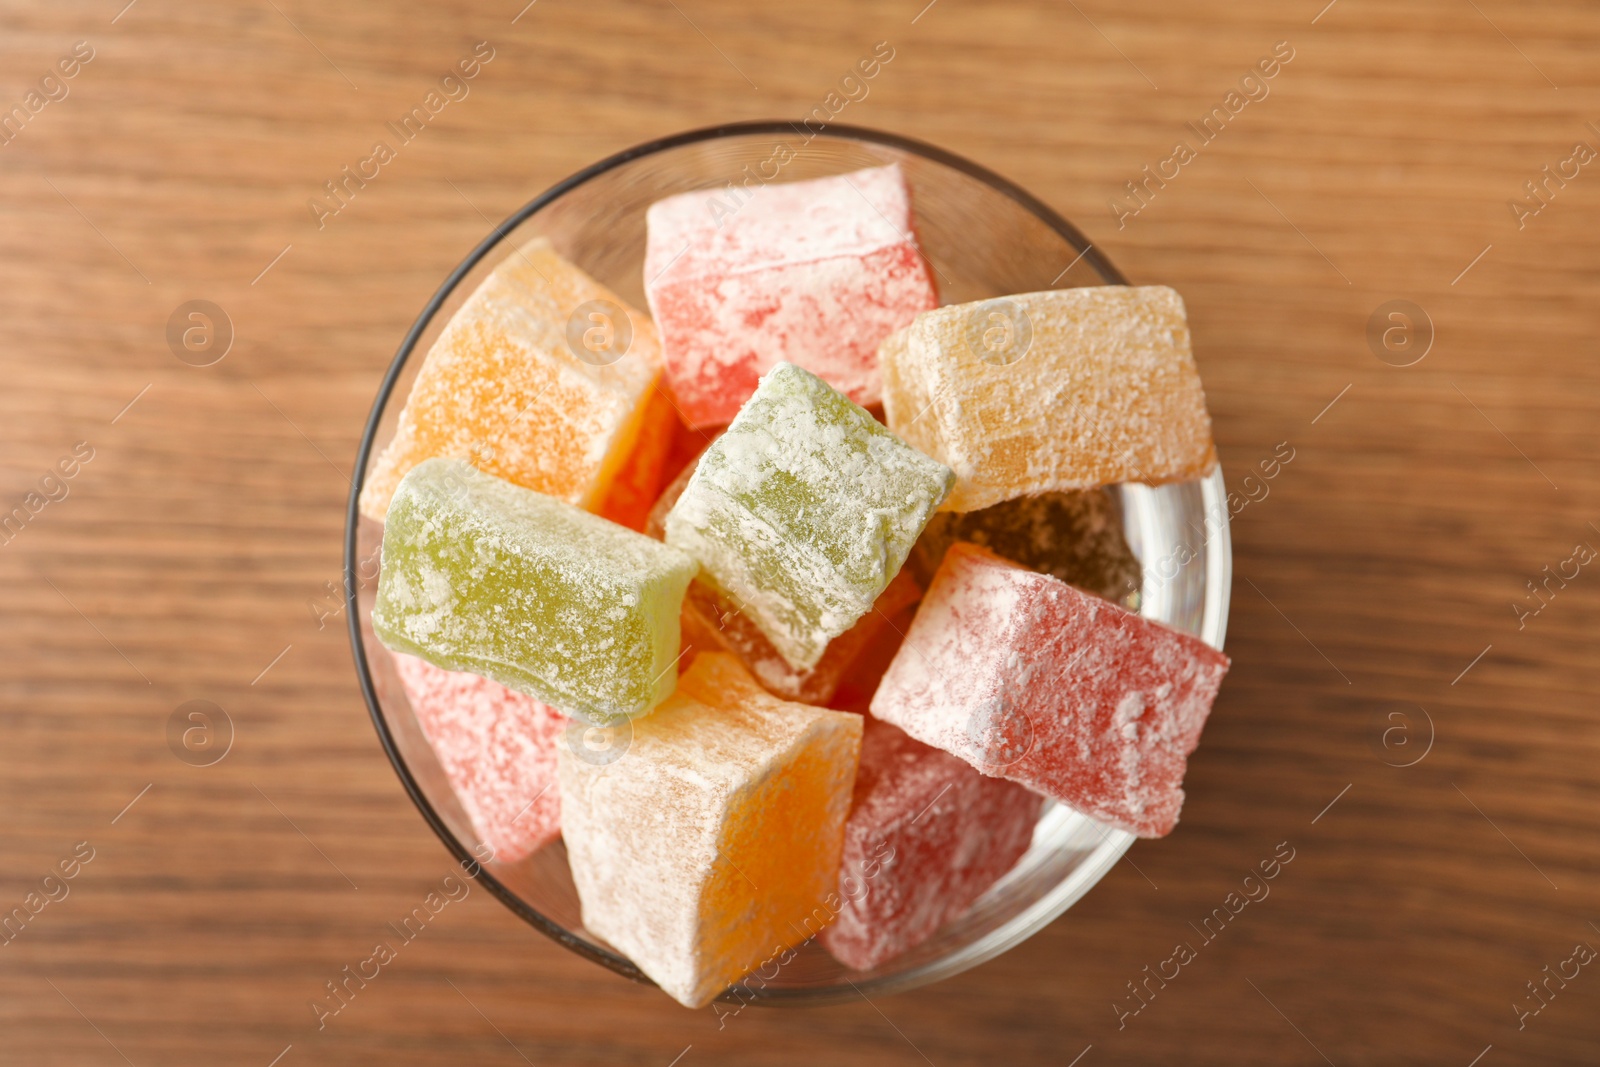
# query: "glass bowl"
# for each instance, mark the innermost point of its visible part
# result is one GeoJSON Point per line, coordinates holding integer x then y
{"type": "Point", "coordinates": [985, 237]}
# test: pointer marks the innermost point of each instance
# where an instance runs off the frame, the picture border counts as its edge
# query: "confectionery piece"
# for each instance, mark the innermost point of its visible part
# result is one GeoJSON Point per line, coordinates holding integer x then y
{"type": "Point", "coordinates": [1027, 678]}
{"type": "Point", "coordinates": [712, 842]}
{"type": "Point", "coordinates": [860, 679]}
{"type": "Point", "coordinates": [803, 511]}
{"type": "Point", "coordinates": [686, 447]}
{"type": "Point", "coordinates": [497, 748]}
{"type": "Point", "coordinates": [633, 491]}
{"type": "Point", "coordinates": [927, 835]}
{"type": "Point", "coordinates": [655, 524]}
{"type": "Point", "coordinates": [1065, 389]}
{"type": "Point", "coordinates": [718, 623]}
{"type": "Point", "coordinates": [1075, 536]}
{"type": "Point", "coordinates": [813, 272]}
{"type": "Point", "coordinates": [540, 378]}
{"type": "Point", "coordinates": [712, 622]}
{"type": "Point", "coordinates": [484, 576]}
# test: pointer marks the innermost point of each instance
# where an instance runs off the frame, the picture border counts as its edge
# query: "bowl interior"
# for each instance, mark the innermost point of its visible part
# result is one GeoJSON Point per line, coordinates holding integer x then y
{"type": "Point", "coordinates": [983, 238]}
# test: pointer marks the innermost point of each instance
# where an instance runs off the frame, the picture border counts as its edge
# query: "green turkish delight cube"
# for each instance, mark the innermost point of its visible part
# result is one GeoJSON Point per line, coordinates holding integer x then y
{"type": "Point", "coordinates": [485, 576]}
{"type": "Point", "coordinates": [804, 510]}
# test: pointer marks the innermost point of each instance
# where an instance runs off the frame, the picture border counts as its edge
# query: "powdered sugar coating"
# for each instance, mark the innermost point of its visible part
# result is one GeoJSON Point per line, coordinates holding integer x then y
{"type": "Point", "coordinates": [713, 843]}
{"type": "Point", "coordinates": [1027, 678]}
{"type": "Point", "coordinates": [497, 748]}
{"type": "Point", "coordinates": [484, 576]}
{"type": "Point", "coordinates": [503, 387]}
{"type": "Point", "coordinates": [1105, 390]}
{"type": "Point", "coordinates": [927, 835]}
{"type": "Point", "coordinates": [804, 510]}
{"type": "Point", "coordinates": [815, 272]}
{"type": "Point", "coordinates": [713, 622]}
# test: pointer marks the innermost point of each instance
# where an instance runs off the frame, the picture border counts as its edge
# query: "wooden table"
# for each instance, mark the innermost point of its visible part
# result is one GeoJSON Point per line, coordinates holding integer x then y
{"type": "Point", "coordinates": [1378, 578]}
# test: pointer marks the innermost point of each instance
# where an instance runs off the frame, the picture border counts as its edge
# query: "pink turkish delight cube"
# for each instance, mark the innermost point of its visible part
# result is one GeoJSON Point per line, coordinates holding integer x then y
{"type": "Point", "coordinates": [815, 273]}
{"type": "Point", "coordinates": [1029, 679]}
{"type": "Point", "coordinates": [926, 837]}
{"type": "Point", "coordinates": [498, 750]}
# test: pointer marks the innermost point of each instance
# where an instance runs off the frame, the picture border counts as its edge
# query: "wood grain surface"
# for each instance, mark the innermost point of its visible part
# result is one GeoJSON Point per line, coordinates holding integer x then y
{"type": "Point", "coordinates": [1376, 578]}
